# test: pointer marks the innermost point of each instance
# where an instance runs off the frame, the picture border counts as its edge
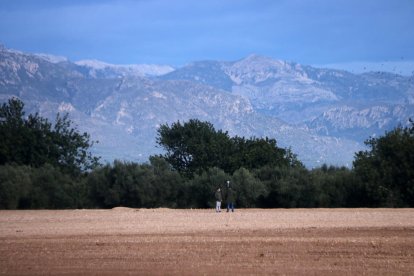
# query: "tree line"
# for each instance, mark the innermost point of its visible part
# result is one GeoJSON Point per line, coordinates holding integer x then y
{"type": "Point", "coordinates": [46, 165]}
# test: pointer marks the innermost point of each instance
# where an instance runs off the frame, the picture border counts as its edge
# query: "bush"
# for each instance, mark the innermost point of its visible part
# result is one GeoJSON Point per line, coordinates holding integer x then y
{"type": "Point", "coordinates": [247, 188]}
{"type": "Point", "coordinates": [46, 187]}
{"type": "Point", "coordinates": [202, 187]}
{"type": "Point", "coordinates": [134, 185]}
{"type": "Point", "coordinates": [386, 168]}
{"type": "Point", "coordinates": [286, 187]}
{"type": "Point", "coordinates": [15, 185]}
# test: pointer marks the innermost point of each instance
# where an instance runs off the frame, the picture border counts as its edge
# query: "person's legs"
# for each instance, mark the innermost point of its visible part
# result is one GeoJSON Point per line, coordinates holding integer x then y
{"type": "Point", "coordinates": [218, 206]}
{"type": "Point", "coordinates": [228, 206]}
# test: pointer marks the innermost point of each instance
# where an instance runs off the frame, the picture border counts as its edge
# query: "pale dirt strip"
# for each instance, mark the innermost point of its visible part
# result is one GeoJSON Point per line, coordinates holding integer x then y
{"type": "Point", "coordinates": [156, 221]}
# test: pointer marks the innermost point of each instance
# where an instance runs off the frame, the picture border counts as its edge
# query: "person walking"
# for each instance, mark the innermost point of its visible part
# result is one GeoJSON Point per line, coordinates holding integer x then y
{"type": "Point", "coordinates": [230, 198]}
{"type": "Point", "coordinates": [218, 200]}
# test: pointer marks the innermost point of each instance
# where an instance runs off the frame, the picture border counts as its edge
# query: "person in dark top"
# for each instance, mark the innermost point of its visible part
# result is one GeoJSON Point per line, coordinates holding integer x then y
{"type": "Point", "coordinates": [230, 199]}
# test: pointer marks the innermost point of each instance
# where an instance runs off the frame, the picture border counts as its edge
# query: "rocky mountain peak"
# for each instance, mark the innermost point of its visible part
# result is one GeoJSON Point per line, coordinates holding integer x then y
{"type": "Point", "coordinates": [256, 69]}
{"type": "Point", "coordinates": [323, 115]}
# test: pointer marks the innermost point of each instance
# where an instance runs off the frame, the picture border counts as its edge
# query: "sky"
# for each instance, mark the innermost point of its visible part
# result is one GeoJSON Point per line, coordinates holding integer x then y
{"type": "Point", "coordinates": [354, 34]}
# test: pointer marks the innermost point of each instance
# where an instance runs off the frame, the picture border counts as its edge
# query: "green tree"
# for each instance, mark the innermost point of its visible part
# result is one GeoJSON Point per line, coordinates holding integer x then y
{"type": "Point", "coordinates": [286, 187]}
{"type": "Point", "coordinates": [25, 187]}
{"type": "Point", "coordinates": [336, 187]}
{"type": "Point", "coordinates": [194, 146]}
{"type": "Point", "coordinates": [52, 189]}
{"type": "Point", "coordinates": [247, 188]}
{"type": "Point", "coordinates": [73, 147]}
{"type": "Point", "coordinates": [255, 153]}
{"type": "Point", "coordinates": [171, 190]}
{"type": "Point", "coordinates": [136, 185]}
{"type": "Point", "coordinates": [202, 187]}
{"type": "Point", "coordinates": [12, 132]}
{"type": "Point", "coordinates": [387, 168]}
{"type": "Point", "coordinates": [15, 185]}
{"type": "Point", "coordinates": [35, 142]}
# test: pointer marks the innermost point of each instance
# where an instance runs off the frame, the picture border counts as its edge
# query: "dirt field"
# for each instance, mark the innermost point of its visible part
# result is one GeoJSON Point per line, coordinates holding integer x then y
{"type": "Point", "coordinates": [194, 242]}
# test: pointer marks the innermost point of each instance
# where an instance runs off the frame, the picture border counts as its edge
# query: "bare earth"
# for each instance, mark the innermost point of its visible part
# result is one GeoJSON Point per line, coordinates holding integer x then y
{"type": "Point", "coordinates": [194, 242]}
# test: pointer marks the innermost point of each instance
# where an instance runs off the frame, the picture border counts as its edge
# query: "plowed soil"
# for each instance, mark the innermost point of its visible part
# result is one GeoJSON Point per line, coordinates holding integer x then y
{"type": "Point", "coordinates": [202, 242]}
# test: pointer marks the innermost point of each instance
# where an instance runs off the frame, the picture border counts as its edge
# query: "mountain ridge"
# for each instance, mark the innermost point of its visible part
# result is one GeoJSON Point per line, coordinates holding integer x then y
{"type": "Point", "coordinates": [323, 115]}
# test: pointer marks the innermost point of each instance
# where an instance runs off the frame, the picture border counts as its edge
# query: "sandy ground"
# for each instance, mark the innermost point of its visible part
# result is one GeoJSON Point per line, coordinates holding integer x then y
{"type": "Point", "coordinates": [202, 242]}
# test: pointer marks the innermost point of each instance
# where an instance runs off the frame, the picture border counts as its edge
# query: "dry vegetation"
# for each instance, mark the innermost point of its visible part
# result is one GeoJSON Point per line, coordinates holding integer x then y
{"type": "Point", "coordinates": [249, 241]}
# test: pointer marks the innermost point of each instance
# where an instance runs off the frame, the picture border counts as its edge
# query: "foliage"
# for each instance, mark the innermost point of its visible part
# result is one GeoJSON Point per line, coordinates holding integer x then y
{"type": "Point", "coordinates": [51, 189]}
{"type": "Point", "coordinates": [386, 168]}
{"type": "Point", "coordinates": [33, 141]}
{"type": "Point", "coordinates": [203, 186]}
{"type": "Point", "coordinates": [337, 187]}
{"type": "Point", "coordinates": [247, 188]}
{"type": "Point", "coordinates": [73, 152]}
{"type": "Point", "coordinates": [286, 187]}
{"type": "Point", "coordinates": [41, 167]}
{"type": "Point", "coordinates": [15, 183]}
{"type": "Point", "coordinates": [195, 146]}
{"type": "Point", "coordinates": [255, 153]}
{"type": "Point", "coordinates": [133, 185]}
{"type": "Point", "coordinates": [45, 187]}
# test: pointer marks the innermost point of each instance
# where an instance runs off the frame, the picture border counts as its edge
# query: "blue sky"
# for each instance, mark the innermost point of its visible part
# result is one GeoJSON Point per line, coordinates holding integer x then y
{"type": "Point", "coordinates": [176, 32]}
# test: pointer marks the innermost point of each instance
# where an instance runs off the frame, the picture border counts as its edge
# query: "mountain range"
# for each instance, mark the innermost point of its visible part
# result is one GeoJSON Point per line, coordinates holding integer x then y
{"type": "Point", "coordinates": [323, 115]}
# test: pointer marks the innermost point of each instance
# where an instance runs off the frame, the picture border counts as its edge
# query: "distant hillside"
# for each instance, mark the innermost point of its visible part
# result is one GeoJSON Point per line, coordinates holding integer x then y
{"type": "Point", "coordinates": [322, 114]}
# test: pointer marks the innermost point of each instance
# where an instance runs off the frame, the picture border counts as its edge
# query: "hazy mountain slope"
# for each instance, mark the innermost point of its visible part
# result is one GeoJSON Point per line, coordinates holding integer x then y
{"type": "Point", "coordinates": [323, 115]}
{"type": "Point", "coordinates": [160, 102]}
{"type": "Point", "coordinates": [305, 95]}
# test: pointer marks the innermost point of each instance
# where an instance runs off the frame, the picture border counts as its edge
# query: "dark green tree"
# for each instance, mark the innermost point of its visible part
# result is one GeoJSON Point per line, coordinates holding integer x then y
{"type": "Point", "coordinates": [202, 187]}
{"type": "Point", "coordinates": [194, 146]}
{"type": "Point", "coordinates": [25, 187]}
{"type": "Point", "coordinates": [286, 187]}
{"type": "Point", "coordinates": [336, 187]}
{"type": "Point", "coordinates": [12, 132]}
{"type": "Point", "coordinates": [387, 168]}
{"type": "Point", "coordinates": [247, 188]}
{"type": "Point", "coordinates": [72, 147]}
{"type": "Point", "coordinates": [34, 141]}
{"type": "Point", "coordinates": [136, 185]}
{"type": "Point", "coordinates": [15, 185]}
{"type": "Point", "coordinates": [52, 189]}
{"type": "Point", "coordinates": [255, 153]}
